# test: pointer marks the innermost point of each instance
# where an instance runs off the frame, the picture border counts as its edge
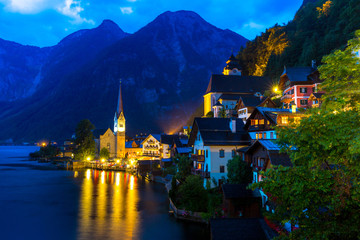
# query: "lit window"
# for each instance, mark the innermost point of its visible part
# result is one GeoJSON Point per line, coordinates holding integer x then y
{"type": "Point", "coordinates": [264, 135]}
{"type": "Point", "coordinates": [285, 120]}
{"type": "Point", "coordinates": [260, 135]}
{"type": "Point", "coordinates": [256, 121]}
{"type": "Point", "coordinates": [221, 153]}
{"type": "Point", "coordinates": [261, 121]}
{"type": "Point", "coordinates": [271, 135]}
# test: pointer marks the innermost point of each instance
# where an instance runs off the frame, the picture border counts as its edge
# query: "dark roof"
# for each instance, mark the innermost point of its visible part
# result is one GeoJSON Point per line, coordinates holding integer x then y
{"type": "Point", "coordinates": [232, 63]}
{"type": "Point", "coordinates": [237, 229]}
{"type": "Point", "coordinates": [269, 145]}
{"type": "Point", "coordinates": [119, 108]}
{"type": "Point", "coordinates": [318, 95]}
{"type": "Point", "coordinates": [282, 159]}
{"type": "Point", "coordinates": [168, 139]}
{"type": "Point", "coordinates": [98, 132]}
{"type": "Point", "coordinates": [230, 96]}
{"type": "Point", "coordinates": [216, 131]}
{"type": "Point", "coordinates": [251, 100]}
{"type": "Point", "coordinates": [239, 191]}
{"type": "Point", "coordinates": [218, 104]}
{"type": "Point", "coordinates": [298, 74]}
{"type": "Point", "coordinates": [237, 84]}
{"type": "Point", "coordinates": [269, 113]}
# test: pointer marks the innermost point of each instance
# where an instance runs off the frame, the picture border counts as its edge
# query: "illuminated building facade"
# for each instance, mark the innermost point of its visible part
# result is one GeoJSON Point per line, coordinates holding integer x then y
{"type": "Point", "coordinates": [115, 141]}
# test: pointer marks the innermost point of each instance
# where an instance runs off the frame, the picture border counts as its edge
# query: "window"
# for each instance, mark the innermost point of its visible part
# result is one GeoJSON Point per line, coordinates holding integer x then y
{"type": "Point", "coordinates": [221, 153]}
{"type": "Point", "coordinates": [303, 102]}
{"type": "Point", "coordinates": [233, 153]}
{"type": "Point", "coordinates": [206, 153]}
{"type": "Point", "coordinates": [268, 122]}
{"type": "Point", "coordinates": [271, 135]}
{"type": "Point", "coordinates": [222, 168]}
{"type": "Point", "coordinates": [285, 120]}
{"type": "Point", "coordinates": [257, 136]}
{"type": "Point", "coordinates": [313, 89]}
{"type": "Point", "coordinates": [260, 135]}
{"type": "Point", "coordinates": [303, 90]}
{"type": "Point", "coordinates": [254, 122]}
{"type": "Point", "coordinates": [261, 121]}
{"type": "Point", "coordinates": [264, 135]}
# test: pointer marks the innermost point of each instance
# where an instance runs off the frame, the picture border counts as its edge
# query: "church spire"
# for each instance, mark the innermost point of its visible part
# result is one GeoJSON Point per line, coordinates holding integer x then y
{"type": "Point", "coordinates": [119, 108]}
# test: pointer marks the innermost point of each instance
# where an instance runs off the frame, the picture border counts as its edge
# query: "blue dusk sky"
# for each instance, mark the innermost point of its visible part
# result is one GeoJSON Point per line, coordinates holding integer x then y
{"type": "Point", "coordinates": [45, 22]}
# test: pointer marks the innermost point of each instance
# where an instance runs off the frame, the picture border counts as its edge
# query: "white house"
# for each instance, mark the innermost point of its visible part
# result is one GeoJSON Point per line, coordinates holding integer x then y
{"type": "Point", "coordinates": [214, 142]}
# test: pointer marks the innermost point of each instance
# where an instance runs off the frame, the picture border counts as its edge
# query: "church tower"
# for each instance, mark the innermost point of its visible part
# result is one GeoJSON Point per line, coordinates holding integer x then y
{"type": "Point", "coordinates": [232, 66]}
{"type": "Point", "coordinates": [119, 127]}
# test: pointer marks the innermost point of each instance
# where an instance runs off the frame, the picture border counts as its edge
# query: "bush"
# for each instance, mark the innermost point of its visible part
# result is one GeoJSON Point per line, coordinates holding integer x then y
{"type": "Point", "coordinates": [193, 195]}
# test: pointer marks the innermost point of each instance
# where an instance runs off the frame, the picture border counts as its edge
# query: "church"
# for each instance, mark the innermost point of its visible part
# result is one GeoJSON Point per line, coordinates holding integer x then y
{"type": "Point", "coordinates": [115, 141]}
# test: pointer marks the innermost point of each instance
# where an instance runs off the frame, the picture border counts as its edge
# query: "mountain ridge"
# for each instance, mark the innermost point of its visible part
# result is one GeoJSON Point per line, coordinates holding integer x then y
{"type": "Point", "coordinates": [164, 67]}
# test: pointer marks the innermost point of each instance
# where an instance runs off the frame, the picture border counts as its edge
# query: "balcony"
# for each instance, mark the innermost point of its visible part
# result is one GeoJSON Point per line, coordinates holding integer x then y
{"type": "Point", "coordinates": [287, 98]}
{"type": "Point", "coordinates": [198, 158]}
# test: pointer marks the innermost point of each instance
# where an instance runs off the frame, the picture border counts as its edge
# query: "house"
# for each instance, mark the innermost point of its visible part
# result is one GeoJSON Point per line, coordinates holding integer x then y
{"type": "Point", "coordinates": [225, 89]}
{"type": "Point", "coordinates": [261, 123]}
{"type": "Point", "coordinates": [247, 103]}
{"type": "Point", "coordinates": [151, 147]}
{"type": "Point", "coordinates": [263, 155]}
{"type": "Point", "coordinates": [315, 100]}
{"type": "Point", "coordinates": [214, 142]}
{"type": "Point", "coordinates": [239, 201]}
{"type": "Point", "coordinates": [298, 83]}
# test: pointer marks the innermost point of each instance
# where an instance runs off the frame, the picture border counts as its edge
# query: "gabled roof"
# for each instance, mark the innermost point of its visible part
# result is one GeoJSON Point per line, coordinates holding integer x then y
{"type": "Point", "coordinates": [216, 131]}
{"type": "Point", "coordinates": [237, 84]}
{"type": "Point", "coordinates": [227, 96]}
{"type": "Point", "coordinates": [168, 139]}
{"type": "Point", "coordinates": [276, 158]}
{"type": "Point", "coordinates": [156, 136]}
{"type": "Point", "coordinates": [298, 74]}
{"type": "Point", "coordinates": [317, 95]}
{"type": "Point", "coordinates": [269, 113]}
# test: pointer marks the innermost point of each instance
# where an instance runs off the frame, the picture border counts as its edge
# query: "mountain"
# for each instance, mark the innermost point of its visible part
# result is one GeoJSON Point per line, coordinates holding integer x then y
{"type": "Point", "coordinates": [318, 28]}
{"type": "Point", "coordinates": [20, 66]}
{"type": "Point", "coordinates": [164, 69]}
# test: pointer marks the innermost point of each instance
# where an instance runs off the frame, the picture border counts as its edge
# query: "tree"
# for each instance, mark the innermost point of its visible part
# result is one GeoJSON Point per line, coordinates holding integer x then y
{"type": "Point", "coordinates": [104, 153]}
{"type": "Point", "coordinates": [193, 194]}
{"type": "Point", "coordinates": [183, 166]}
{"type": "Point", "coordinates": [321, 192]}
{"type": "Point", "coordinates": [222, 113]}
{"type": "Point", "coordinates": [210, 114]}
{"type": "Point", "coordinates": [238, 171]}
{"type": "Point", "coordinates": [341, 70]}
{"type": "Point", "coordinates": [85, 144]}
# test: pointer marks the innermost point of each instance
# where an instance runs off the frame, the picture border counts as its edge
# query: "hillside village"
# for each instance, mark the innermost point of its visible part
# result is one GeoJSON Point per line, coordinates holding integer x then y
{"type": "Point", "coordinates": [238, 121]}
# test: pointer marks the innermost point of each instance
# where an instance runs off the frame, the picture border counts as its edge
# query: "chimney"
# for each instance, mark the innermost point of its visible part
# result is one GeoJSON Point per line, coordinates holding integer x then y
{"type": "Point", "coordinates": [233, 125]}
{"type": "Point", "coordinates": [313, 64]}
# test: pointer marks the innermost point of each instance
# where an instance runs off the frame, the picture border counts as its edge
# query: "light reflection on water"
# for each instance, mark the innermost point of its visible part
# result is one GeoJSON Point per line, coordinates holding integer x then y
{"type": "Point", "coordinates": [39, 202]}
{"type": "Point", "coordinates": [108, 206]}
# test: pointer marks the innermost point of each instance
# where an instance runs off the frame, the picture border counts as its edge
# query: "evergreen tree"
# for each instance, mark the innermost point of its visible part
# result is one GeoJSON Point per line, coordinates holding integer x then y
{"type": "Point", "coordinates": [85, 144]}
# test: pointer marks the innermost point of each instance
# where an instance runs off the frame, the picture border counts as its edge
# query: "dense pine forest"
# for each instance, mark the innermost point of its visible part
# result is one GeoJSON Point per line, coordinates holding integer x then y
{"type": "Point", "coordinates": [319, 27]}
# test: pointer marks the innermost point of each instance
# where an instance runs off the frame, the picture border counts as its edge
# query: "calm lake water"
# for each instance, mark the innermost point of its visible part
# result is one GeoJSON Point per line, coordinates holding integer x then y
{"type": "Point", "coordinates": [37, 202]}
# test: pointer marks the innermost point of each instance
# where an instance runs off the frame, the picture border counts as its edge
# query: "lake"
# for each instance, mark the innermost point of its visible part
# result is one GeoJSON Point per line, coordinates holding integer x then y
{"type": "Point", "coordinates": [38, 202]}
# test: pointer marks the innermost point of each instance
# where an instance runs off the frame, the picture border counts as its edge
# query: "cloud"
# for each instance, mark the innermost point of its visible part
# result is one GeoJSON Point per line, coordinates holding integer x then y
{"type": "Point", "coordinates": [72, 9]}
{"type": "Point", "coordinates": [26, 6]}
{"type": "Point", "coordinates": [126, 10]}
{"type": "Point", "coordinates": [254, 25]}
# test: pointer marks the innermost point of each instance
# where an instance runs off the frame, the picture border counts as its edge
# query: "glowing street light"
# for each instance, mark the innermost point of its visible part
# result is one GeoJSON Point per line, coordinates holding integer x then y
{"type": "Point", "coordinates": [102, 160]}
{"type": "Point", "coordinates": [88, 158]}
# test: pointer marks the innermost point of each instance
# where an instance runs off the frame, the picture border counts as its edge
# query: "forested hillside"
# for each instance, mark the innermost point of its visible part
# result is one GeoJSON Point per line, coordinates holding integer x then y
{"type": "Point", "coordinates": [319, 27]}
